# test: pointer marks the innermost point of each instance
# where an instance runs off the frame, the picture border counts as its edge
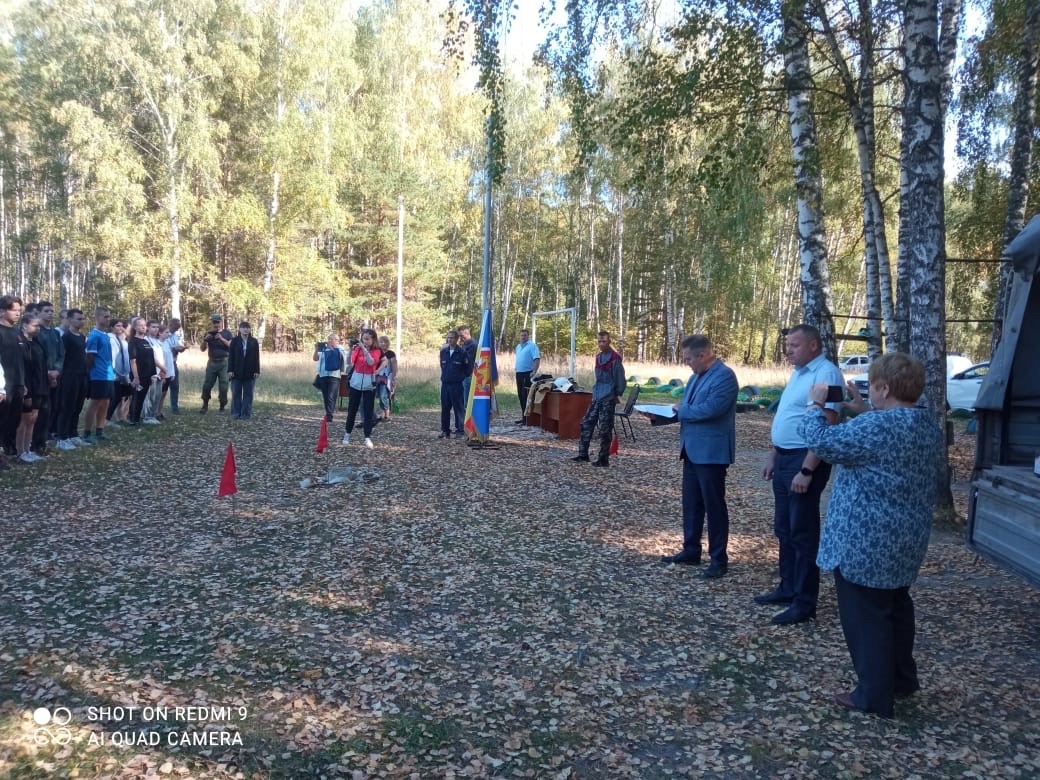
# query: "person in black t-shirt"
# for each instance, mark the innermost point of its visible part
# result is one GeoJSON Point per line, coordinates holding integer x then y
{"type": "Point", "coordinates": [142, 366]}
{"type": "Point", "coordinates": [72, 389]}
{"type": "Point", "coordinates": [14, 371]}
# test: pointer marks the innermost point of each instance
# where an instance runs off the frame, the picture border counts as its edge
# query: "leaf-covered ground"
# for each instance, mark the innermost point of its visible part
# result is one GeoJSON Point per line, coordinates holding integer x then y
{"type": "Point", "coordinates": [472, 613]}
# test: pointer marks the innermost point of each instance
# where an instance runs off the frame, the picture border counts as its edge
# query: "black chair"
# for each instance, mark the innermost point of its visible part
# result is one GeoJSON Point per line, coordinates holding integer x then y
{"type": "Point", "coordinates": [624, 416]}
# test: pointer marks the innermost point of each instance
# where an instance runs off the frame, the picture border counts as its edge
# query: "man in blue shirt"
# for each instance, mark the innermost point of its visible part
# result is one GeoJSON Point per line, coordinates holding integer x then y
{"type": "Point", "coordinates": [527, 359]}
{"type": "Point", "coordinates": [101, 377]}
{"type": "Point", "coordinates": [798, 477]}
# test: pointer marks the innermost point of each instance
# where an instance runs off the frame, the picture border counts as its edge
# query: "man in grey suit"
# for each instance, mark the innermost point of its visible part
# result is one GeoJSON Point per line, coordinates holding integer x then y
{"type": "Point", "coordinates": [708, 444]}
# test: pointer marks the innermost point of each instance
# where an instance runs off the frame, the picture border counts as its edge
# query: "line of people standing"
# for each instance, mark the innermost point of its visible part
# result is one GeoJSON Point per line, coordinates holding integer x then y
{"type": "Point", "coordinates": [54, 375]}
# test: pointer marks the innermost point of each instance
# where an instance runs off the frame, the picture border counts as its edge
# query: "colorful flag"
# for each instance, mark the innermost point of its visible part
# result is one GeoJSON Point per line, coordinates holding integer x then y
{"type": "Point", "coordinates": [481, 406]}
{"type": "Point", "coordinates": [323, 437]}
{"type": "Point", "coordinates": [227, 477]}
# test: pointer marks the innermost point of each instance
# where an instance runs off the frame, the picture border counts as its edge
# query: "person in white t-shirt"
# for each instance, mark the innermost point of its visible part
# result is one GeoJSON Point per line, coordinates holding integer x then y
{"type": "Point", "coordinates": [176, 339]}
{"type": "Point", "coordinates": [170, 362]}
{"type": "Point", "coordinates": [150, 411]}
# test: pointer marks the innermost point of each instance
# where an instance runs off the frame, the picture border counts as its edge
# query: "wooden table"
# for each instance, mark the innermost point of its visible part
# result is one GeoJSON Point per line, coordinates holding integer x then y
{"type": "Point", "coordinates": [561, 413]}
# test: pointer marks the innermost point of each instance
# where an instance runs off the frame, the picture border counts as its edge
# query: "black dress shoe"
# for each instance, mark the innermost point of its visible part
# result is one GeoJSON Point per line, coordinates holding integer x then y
{"type": "Point", "coordinates": [682, 558]}
{"type": "Point", "coordinates": [773, 597]}
{"type": "Point", "coordinates": [602, 462]}
{"type": "Point", "coordinates": [714, 571]}
{"type": "Point", "coordinates": [790, 616]}
{"type": "Point", "coordinates": [581, 458]}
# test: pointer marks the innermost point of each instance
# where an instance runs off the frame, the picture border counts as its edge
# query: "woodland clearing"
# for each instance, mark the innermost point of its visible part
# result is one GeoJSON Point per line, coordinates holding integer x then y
{"type": "Point", "coordinates": [472, 613]}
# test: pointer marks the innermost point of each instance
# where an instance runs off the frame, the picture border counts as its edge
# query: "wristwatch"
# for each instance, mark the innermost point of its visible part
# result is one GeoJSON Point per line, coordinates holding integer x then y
{"type": "Point", "coordinates": [806, 472]}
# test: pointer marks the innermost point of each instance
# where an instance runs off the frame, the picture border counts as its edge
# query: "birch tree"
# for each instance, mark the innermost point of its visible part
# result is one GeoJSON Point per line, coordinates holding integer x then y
{"type": "Point", "coordinates": [808, 181]}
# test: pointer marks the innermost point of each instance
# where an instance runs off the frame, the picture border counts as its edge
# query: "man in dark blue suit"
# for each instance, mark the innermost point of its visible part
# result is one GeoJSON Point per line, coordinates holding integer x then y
{"type": "Point", "coordinates": [708, 444]}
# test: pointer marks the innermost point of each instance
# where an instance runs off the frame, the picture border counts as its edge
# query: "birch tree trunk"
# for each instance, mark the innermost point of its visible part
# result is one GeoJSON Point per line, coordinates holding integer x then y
{"type": "Point", "coordinates": [860, 99]}
{"type": "Point", "coordinates": [1021, 156]}
{"type": "Point", "coordinates": [922, 227]}
{"type": "Point", "coordinates": [815, 276]}
{"type": "Point", "coordinates": [271, 256]}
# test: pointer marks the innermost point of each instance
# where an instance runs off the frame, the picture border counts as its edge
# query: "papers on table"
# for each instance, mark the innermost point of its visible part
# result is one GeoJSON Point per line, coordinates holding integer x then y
{"type": "Point", "coordinates": [656, 409]}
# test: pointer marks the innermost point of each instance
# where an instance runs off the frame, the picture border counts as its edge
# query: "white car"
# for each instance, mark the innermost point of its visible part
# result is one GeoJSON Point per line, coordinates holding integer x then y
{"type": "Point", "coordinates": [856, 363]}
{"type": "Point", "coordinates": [962, 382]}
{"type": "Point", "coordinates": [963, 388]}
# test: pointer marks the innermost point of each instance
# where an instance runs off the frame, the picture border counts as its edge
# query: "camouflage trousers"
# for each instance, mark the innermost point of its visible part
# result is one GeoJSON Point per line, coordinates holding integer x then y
{"type": "Point", "coordinates": [601, 415]}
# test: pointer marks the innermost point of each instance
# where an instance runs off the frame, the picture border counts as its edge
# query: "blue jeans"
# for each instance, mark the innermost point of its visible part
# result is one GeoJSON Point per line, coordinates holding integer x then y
{"type": "Point", "coordinates": [242, 398]}
{"type": "Point", "coordinates": [329, 394]}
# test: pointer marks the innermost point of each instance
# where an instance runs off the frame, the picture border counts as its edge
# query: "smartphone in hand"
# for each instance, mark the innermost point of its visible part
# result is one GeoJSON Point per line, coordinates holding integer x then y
{"type": "Point", "coordinates": [835, 394]}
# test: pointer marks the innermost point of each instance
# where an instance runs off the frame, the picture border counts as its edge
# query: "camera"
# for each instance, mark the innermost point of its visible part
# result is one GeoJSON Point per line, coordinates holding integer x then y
{"type": "Point", "coordinates": [835, 394]}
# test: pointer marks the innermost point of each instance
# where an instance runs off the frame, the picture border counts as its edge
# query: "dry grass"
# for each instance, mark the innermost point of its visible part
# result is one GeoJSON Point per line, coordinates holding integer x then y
{"type": "Point", "coordinates": [282, 370]}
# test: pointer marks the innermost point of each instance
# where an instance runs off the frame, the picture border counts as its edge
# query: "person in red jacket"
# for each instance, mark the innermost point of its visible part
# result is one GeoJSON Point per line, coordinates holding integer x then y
{"type": "Point", "coordinates": [365, 360]}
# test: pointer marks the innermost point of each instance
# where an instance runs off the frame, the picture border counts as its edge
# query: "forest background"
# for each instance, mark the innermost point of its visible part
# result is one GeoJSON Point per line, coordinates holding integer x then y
{"type": "Point", "coordinates": [653, 166]}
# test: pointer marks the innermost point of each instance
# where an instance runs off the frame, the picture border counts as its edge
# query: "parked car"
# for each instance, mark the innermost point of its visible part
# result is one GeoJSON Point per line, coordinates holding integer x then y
{"type": "Point", "coordinates": [963, 388]}
{"type": "Point", "coordinates": [856, 363]}
{"type": "Point", "coordinates": [963, 381]}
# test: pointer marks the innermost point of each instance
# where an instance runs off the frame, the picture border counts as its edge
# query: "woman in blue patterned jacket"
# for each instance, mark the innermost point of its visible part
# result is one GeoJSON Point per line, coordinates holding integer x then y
{"type": "Point", "coordinates": [878, 521]}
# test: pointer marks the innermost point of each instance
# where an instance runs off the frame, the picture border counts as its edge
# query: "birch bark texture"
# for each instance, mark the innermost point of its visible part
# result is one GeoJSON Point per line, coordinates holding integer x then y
{"type": "Point", "coordinates": [812, 240]}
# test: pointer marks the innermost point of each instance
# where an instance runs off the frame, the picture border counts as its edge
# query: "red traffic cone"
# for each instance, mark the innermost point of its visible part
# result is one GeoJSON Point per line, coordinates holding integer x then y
{"type": "Point", "coordinates": [614, 445]}
{"type": "Point", "coordinates": [323, 437]}
{"type": "Point", "coordinates": [227, 477]}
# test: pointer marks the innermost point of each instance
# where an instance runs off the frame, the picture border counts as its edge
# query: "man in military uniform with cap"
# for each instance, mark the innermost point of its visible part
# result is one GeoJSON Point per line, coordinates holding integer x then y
{"type": "Point", "coordinates": [217, 344]}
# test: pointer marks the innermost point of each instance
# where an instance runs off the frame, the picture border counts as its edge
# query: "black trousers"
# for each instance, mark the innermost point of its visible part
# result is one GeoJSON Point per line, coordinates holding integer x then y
{"type": "Point", "coordinates": [704, 495]}
{"type": "Point", "coordinates": [42, 426]}
{"type": "Point", "coordinates": [796, 523]}
{"type": "Point", "coordinates": [879, 628]}
{"type": "Point", "coordinates": [10, 419]}
{"type": "Point", "coordinates": [523, 388]}
{"type": "Point", "coordinates": [366, 400]}
{"type": "Point", "coordinates": [72, 395]}
{"type": "Point", "coordinates": [452, 403]}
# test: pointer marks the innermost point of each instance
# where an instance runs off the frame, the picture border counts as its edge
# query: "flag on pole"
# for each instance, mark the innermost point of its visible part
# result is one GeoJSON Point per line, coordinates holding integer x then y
{"type": "Point", "coordinates": [227, 477]}
{"type": "Point", "coordinates": [614, 445]}
{"type": "Point", "coordinates": [481, 407]}
{"type": "Point", "coordinates": [323, 437]}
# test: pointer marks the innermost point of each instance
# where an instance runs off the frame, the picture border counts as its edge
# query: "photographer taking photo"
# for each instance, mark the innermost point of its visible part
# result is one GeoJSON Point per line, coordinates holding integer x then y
{"type": "Point", "coordinates": [217, 343]}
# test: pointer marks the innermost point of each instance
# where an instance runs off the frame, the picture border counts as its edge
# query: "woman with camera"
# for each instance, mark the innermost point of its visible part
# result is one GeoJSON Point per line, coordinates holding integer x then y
{"type": "Point", "coordinates": [365, 360]}
{"type": "Point", "coordinates": [878, 520]}
{"type": "Point", "coordinates": [332, 361]}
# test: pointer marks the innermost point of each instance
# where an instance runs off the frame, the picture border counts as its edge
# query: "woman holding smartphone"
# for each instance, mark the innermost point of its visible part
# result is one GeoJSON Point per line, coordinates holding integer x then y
{"type": "Point", "coordinates": [365, 360]}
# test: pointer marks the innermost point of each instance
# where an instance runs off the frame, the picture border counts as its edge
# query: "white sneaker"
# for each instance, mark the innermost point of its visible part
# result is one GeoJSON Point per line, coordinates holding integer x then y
{"type": "Point", "coordinates": [369, 444]}
{"type": "Point", "coordinates": [65, 444]}
{"type": "Point", "coordinates": [27, 457]}
{"type": "Point", "coordinates": [150, 421]}
{"type": "Point", "coordinates": [81, 442]}
{"type": "Point", "coordinates": [346, 438]}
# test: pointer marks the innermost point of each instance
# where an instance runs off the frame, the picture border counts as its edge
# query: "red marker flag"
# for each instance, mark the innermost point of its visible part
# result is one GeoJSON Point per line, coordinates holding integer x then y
{"type": "Point", "coordinates": [227, 477]}
{"type": "Point", "coordinates": [323, 437]}
{"type": "Point", "coordinates": [614, 445]}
